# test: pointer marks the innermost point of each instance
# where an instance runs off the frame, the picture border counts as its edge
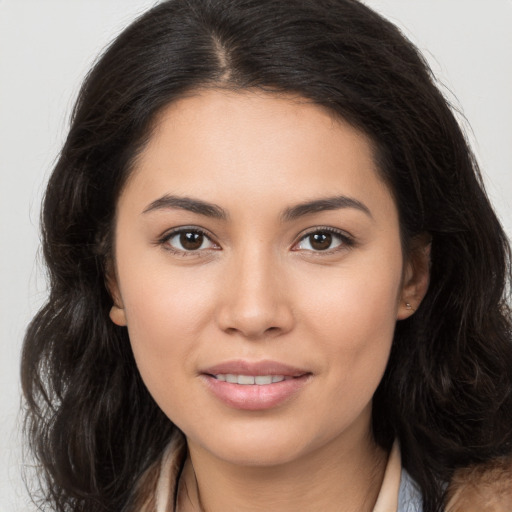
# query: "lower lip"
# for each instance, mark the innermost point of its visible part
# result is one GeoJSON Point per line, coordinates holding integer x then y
{"type": "Point", "coordinates": [252, 397]}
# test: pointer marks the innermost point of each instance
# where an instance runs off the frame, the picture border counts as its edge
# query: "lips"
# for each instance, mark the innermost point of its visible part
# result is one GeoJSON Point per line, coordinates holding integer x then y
{"type": "Point", "coordinates": [254, 385]}
{"type": "Point", "coordinates": [241, 367]}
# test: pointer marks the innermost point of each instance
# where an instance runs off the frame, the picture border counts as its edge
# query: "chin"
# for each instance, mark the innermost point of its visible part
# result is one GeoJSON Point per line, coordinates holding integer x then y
{"type": "Point", "coordinates": [255, 445]}
{"type": "Point", "coordinates": [261, 455]}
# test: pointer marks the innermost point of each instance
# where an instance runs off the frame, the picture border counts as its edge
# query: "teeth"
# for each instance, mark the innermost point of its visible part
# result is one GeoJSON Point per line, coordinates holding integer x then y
{"type": "Point", "coordinates": [263, 379]}
{"type": "Point", "coordinates": [260, 380]}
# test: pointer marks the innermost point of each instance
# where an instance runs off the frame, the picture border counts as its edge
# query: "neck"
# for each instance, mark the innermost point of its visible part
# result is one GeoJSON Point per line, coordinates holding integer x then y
{"type": "Point", "coordinates": [338, 476]}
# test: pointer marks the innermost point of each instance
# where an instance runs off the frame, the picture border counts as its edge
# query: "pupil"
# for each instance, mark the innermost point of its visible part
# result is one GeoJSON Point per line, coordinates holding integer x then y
{"type": "Point", "coordinates": [191, 241]}
{"type": "Point", "coordinates": [321, 241]}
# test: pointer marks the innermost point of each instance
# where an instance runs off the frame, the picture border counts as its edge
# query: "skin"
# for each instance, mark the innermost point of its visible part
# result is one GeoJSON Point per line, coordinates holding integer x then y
{"type": "Point", "coordinates": [258, 289]}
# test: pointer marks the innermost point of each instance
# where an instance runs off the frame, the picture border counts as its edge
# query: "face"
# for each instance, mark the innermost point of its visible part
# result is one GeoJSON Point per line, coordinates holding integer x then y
{"type": "Point", "coordinates": [260, 274]}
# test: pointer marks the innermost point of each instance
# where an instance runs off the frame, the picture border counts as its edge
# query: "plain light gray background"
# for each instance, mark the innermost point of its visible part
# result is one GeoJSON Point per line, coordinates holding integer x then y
{"type": "Point", "coordinates": [46, 47]}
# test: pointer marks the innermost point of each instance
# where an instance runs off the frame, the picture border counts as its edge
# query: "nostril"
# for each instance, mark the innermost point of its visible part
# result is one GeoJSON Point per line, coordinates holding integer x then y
{"type": "Point", "coordinates": [272, 330]}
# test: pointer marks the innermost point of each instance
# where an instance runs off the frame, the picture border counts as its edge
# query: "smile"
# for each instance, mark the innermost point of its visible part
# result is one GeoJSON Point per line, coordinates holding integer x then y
{"type": "Point", "coordinates": [258, 380]}
{"type": "Point", "coordinates": [255, 386]}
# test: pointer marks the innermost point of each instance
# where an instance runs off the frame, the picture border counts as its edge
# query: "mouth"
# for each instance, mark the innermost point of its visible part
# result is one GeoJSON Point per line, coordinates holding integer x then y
{"type": "Point", "coordinates": [250, 380]}
{"type": "Point", "coordinates": [255, 385]}
{"type": "Point", "coordinates": [246, 370]}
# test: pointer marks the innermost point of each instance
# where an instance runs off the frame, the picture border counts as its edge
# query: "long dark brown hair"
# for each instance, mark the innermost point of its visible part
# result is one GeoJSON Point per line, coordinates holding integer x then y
{"type": "Point", "coordinates": [447, 391]}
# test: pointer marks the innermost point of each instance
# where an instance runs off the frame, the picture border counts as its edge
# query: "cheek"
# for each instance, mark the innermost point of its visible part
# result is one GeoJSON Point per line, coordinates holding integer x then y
{"type": "Point", "coordinates": [352, 317]}
{"type": "Point", "coordinates": [159, 311]}
{"type": "Point", "coordinates": [357, 305]}
{"type": "Point", "coordinates": [166, 310]}
{"type": "Point", "coordinates": [164, 325]}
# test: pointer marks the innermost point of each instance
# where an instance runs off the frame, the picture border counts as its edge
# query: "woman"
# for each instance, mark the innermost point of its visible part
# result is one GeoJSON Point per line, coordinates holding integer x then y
{"type": "Point", "coordinates": [276, 280]}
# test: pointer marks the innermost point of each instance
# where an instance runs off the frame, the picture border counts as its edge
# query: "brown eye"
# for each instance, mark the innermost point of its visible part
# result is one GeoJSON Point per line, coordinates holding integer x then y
{"type": "Point", "coordinates": [323, 240]}
{"type": "Point", "coordinates": [189, 240]}
{"type": "Point", "coordinates": [320, 241]}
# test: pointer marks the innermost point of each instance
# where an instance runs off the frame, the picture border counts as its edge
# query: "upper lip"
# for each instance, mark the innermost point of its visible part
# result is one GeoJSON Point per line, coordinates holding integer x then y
{"type": "Point", "coordinates": [266, 367]}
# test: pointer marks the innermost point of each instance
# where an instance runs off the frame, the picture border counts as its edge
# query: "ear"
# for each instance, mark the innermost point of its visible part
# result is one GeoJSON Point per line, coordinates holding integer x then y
{"type": "Point", "coordinates": [416, 276]}
{"type": "Point", "coordinates": [117, 313]}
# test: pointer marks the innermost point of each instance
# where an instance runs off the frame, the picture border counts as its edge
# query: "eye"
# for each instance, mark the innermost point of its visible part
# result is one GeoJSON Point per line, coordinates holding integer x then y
{"type": "Point", "coordinates": [323, 240]}
{"type": "Point", "coordinates": [188, 240]}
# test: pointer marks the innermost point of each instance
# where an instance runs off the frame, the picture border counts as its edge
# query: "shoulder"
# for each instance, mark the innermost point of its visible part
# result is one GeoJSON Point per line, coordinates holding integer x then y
{"type": "Point", "coordinates": [482, 488]}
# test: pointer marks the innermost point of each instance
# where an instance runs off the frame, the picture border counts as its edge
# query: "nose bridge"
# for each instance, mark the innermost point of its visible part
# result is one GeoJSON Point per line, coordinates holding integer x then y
{"type": "Point", "coordinates": [255, 302]}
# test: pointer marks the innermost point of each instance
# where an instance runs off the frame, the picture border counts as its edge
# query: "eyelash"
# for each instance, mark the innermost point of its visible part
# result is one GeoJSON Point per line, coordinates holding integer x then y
{"type": "Point", "coordinates": [164, 241]}
{"type": "Point", "coordinates": [346, 241]}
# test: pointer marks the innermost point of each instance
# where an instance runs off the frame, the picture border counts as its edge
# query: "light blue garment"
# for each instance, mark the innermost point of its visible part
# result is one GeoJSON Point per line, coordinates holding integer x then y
{"type": "Point", "coordinates": [409, 497]}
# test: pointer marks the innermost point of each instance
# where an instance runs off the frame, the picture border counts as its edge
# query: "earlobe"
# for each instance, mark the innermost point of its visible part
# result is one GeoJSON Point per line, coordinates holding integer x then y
{"type": "Point", "coordinates": [416, 276]}
{"type": "Point", "coordinates": [117, 315]}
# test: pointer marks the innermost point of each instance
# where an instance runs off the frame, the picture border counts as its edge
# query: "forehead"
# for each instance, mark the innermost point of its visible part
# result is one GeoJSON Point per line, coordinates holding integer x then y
{"type": "Point", "coordinates": [220, 145]}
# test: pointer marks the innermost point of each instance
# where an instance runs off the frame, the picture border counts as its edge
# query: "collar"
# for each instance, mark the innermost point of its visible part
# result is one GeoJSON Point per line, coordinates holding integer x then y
{"type": "Point", "coordinates": [175, 454]}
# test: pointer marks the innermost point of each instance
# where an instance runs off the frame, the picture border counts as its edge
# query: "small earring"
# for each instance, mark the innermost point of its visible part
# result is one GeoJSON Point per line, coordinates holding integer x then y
{"type": "Point", "coordinates": [409, 307]}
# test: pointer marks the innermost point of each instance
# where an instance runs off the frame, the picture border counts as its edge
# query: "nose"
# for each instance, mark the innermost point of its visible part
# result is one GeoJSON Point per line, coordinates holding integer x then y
{"type": "Point", "coordinates": [255, 301]}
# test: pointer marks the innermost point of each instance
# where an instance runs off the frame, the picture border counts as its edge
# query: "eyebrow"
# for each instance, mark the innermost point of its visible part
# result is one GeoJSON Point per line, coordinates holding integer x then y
{"type": "Point", "coordinates": [324, 204]}
{"type": "Point", "coordinates": [291, 213]}
{"type": "Point", "coordinates": [189, 204]}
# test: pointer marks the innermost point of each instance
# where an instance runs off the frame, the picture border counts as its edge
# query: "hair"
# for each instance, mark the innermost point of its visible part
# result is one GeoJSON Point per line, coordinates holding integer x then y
{"type": "Point", "coordinates": [447, 391]}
